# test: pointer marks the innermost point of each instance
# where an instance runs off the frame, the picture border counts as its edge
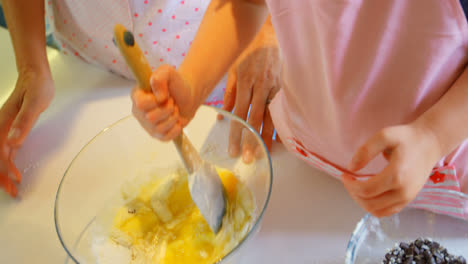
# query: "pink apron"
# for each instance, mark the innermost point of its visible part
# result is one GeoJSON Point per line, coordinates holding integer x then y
{"type": "Point", "coordinates": [353, 67]}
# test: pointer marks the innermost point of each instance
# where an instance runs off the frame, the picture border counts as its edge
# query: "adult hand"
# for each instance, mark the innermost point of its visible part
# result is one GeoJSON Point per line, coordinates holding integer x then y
{"type": "Point", "coordinates": [253, 81]}
{"type": "Point", "coordinates": [32, 95]}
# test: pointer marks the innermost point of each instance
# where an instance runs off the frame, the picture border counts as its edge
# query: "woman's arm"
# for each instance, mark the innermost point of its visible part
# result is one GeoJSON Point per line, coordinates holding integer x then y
{"type": "Point", "coordinates": [253, 80]}
{"type": "Point", "coordinates": [26, 23]}
{"type": "Point", "coordinates": [34, 88]}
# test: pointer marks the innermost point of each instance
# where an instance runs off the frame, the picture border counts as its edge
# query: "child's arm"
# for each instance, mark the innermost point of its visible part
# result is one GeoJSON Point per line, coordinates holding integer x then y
{"type": "Point", "coordinates": [226, 29]}
{"type": "Point", "coordinates": [412, 150]}
{"type": "Point", "coordinates": [448, 118]}
{"type": "Point", "coordinates": [34, 88]}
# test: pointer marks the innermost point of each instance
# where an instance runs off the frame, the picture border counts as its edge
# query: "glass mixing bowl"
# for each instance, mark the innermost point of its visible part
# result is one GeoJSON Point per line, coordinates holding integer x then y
{"type": "Point", "coordinates": [124, 149]}
{"type": "Point", "coordinates": [373, 237]}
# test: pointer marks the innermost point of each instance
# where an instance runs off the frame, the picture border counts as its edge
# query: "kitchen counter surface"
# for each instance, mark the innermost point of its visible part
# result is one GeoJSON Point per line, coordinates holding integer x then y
{"type": "Point", "coordinates": [309, 219]}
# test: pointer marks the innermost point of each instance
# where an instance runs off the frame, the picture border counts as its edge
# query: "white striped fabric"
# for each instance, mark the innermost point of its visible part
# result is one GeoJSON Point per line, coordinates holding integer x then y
{"type": "Point", "coordinates": [441, 193]}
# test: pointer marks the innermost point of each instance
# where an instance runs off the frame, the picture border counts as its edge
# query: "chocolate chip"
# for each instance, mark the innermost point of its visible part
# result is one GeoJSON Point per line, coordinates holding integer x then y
{"type": "Point", "coordinates": [416, 251]}
{"type": "Point", "coordinates": [461, 260]}
{"type": "Point", "coordinates": [443, 250]}
{"type": "Point", "coordinates": [419, 242]}
{"type": "Point", "coordinates": [427, 255]}
{"type": "Point", "coordinates": [404, 245]}
{"type": "Point", "coordinates": [409, 260]}
{"type": "Point", "coordinates": [421, 251]}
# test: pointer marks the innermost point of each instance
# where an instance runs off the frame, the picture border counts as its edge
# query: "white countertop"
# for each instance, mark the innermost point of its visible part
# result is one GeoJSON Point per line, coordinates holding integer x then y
{"type": "Point", "coordinates": [309, 219]}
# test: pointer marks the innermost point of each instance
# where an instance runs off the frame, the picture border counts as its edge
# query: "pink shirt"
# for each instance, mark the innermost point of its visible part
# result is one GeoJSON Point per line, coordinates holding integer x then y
{"type": "Point", "coordinates": [353, 67]}
{"type": "Point", "coordinates": [164, 30]}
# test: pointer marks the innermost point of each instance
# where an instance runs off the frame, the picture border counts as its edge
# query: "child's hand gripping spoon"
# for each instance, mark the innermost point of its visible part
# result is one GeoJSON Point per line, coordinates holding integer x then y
{"type": "Point", "coordinates": [205, 184]}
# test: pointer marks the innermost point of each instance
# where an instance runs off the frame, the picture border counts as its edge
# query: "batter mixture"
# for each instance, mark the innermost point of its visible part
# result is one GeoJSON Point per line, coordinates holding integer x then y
{"type": "Point", "coordinates": [159, 223]}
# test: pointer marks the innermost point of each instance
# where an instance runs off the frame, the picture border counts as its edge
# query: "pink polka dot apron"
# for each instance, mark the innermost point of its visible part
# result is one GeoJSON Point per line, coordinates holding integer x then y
{"type": "Point", "coordinates": [354, 67]}
{"type": "Point", "coordinates": [164, 30]}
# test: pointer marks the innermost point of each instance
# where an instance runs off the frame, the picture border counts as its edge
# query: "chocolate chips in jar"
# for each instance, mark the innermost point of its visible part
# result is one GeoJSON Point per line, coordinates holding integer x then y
{"type": "Point", "coordinates": [421, 251]}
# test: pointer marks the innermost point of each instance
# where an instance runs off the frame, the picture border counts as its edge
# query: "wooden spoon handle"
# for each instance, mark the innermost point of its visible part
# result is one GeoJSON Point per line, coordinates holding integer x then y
{"type": "Point", "coordinates": [133, 56]}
